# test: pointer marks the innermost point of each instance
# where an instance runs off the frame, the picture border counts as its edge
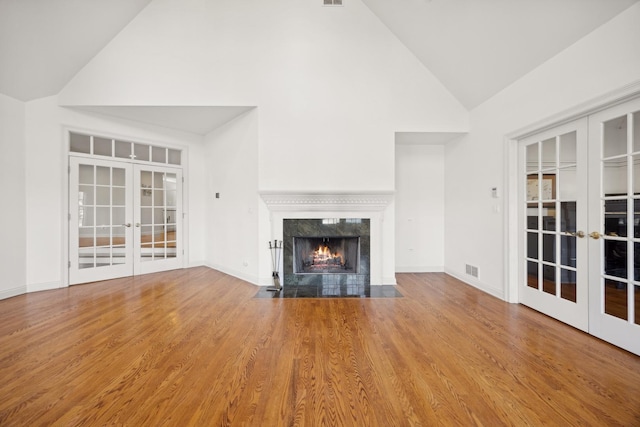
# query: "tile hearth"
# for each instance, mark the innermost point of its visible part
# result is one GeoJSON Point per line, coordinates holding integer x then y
{"type": "Point", "coordinates": [331, 291]}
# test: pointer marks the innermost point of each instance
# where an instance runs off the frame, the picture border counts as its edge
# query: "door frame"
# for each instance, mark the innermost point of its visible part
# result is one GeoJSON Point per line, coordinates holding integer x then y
{"type": "Point", "coordinates": [512, 236]}
{"type": "Point", "coordinates": [64, 187]}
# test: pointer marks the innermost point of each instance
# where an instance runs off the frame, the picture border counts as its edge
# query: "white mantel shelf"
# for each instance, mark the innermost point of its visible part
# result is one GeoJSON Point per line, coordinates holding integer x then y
{"type": "Point", "coordinates": [329, 201]}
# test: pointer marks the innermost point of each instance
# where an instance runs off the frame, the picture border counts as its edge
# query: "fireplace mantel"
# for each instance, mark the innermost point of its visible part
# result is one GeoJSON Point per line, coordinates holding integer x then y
{"type": "Point", "coordinates": [321, 201]}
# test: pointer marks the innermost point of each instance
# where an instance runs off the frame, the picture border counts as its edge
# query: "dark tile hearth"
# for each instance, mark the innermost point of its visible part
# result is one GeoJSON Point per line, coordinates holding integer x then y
{"type": "Point", "coordinates": [331, 291]}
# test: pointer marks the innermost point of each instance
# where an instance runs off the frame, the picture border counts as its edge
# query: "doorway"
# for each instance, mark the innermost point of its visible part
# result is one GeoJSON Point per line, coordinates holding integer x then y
{"type": "Point", "coordinates": [579, 215]}
{"type": "Point", "coordinates": [125, 217]}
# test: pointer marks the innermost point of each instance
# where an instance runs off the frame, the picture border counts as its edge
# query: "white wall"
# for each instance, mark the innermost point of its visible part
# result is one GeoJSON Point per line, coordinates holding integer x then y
{"type": "Point", "coordinates": [332, 86]}
{"type": "Point", "coordinates": [605, 60]}
{"type": "Point", "coordinates": [231, 158]}
{"type": "Point", "coordinates": [331, 83]}
{"type": "Point", "coordinates": [45, 178]}
{"type": "Point", "coordinates": [419, 208]}
{"type": "Point", "coordinates": [14, 205]}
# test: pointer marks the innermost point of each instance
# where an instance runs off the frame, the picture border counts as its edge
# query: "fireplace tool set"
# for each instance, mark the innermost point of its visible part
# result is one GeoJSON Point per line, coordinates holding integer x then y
{"type": "Point", "coordinates": [276, 250]}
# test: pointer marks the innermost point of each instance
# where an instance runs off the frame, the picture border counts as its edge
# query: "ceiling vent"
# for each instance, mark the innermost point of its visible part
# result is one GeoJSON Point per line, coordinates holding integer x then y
{"type": "Point", "coordinates": [332, 2]}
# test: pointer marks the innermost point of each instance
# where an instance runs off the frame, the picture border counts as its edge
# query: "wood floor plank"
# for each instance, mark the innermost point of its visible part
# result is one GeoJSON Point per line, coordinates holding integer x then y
{"type": "Point", "coordinates": [194, 347]}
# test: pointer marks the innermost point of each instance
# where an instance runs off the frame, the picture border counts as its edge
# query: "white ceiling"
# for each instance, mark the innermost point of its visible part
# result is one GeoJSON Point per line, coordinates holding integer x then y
{"type": "Point", "coordinates": [474, 47]}
{"type": "Point", "coordinates": [44, 43]}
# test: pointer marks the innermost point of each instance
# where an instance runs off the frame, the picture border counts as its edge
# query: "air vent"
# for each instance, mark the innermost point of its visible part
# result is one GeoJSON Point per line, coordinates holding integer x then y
{"type": "Point", "coordinates": [472, 270]}
{"type": "Point", "coordinates": [332, 2]}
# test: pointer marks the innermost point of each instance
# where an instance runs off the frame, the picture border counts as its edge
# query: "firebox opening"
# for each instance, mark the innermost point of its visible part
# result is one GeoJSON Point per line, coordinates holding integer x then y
{"type": "Point", "coordinates": [326, 255]}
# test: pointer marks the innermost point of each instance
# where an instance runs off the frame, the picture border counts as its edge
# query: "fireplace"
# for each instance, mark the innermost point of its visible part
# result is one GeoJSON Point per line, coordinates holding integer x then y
{"type": "Point", "coordinates": [359, 214]}
{"type": "Point", "coordinates": [326, 251]}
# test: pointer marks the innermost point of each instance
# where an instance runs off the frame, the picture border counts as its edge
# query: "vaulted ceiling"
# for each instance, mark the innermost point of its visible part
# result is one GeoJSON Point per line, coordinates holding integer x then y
{"type": "Point", "coordinates": [44, 43]}
{"type": "Point", "coordinates": [475, 48]}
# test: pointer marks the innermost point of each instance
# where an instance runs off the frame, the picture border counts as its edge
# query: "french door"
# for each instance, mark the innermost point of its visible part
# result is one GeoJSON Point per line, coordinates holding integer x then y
{"type": "Point", "coordinates": [554, 217]}
{"type": "Point", "coordinates": [125, 219]}
{"type": "Point", "coordinates": [581, 221]}
{"type": "Point", "coordinates": [614, 225]}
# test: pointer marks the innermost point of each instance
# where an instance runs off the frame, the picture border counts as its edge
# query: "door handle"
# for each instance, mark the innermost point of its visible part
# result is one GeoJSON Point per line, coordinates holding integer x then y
{"type": "Point", "coordinates": [127, 224]}
{"type": "Point", "coordinates": [137, 224]}
{"type": "Point", "coordinates": [578, 233]}
{"type": "Point", "coordinates": [595, 235]}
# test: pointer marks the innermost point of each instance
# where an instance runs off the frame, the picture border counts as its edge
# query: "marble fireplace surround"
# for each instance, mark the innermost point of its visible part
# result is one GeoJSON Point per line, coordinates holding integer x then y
{"type": "Point", "coordinates": [330, 204]}
{"type": "Point", "coordinates": [333, 229]}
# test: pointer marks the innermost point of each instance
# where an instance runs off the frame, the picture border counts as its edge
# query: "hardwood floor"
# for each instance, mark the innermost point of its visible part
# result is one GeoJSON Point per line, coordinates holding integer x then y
{"type": "Point", "coordinates": [194, 347]}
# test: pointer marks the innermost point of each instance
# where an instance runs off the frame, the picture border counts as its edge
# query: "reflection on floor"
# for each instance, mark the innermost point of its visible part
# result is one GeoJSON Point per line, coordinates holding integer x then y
{"type": "Point", "coordinates": [158, 240]}
{"type": "Point", "coordinates": [331, 291]}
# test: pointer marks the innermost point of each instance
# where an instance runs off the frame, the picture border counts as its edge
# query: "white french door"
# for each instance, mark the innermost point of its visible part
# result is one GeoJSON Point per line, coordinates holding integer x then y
{"type": "Point", "coordinates": [580, 216]}
{"type": "Point", "coordinates": [124, 219]}
{"type": "Point", "coordinates": [100, 216]}
{"type": "Point", "coordinates": [158, 218]}
{"type": "Point", "coordinates": [554, 216]}
{"type": "Point", "coordinates": [614, 225]}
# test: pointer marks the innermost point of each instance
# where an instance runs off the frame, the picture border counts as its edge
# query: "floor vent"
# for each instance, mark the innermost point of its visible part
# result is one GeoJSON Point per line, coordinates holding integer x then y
{"type": "Point", "coordinates": [472, 270]}
{"type": "Point", "coordinates": [332, 2]}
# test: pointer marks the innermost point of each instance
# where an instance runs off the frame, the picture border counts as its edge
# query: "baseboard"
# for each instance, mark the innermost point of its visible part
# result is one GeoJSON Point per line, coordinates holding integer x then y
{"type": "Point", "coordinates": [420, 269]}
{"type": "Point", "coordinates": [498, 293]}
{"type": "Point", "coordinates": [8, 293]}
{"type": "Point", "coordinates": [37, 287]}
{"type": "Point", "coordinates": [235, 273]}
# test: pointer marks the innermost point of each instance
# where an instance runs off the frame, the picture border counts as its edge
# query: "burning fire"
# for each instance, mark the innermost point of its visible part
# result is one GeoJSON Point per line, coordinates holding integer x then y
{"type": "Point", "coordinates": [323, 255]}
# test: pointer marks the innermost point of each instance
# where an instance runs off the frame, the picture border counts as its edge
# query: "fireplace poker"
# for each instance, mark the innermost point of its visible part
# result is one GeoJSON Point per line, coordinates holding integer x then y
{"type": "Point", "coordinates": [275, 249]}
